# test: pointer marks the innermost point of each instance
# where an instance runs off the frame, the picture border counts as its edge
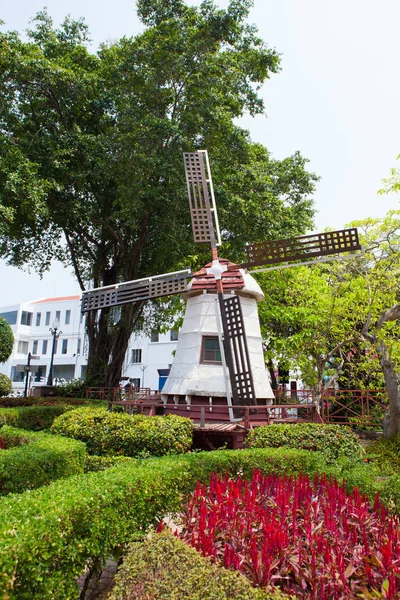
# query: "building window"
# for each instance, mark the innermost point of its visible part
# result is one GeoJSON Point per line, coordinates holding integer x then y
{"type": "Point", "coordinates": [55, 346]}
{"type": "Point", "coordinates": [34, 347]}
{"type": "Point", "coordinates": [22, 347]}
{"type": "Point", "coordinates": [136, 355]}
{"type": "Point", "coordinates": [136, 382]}
{"type": "Point", "coordinates": [38, 318]}
{"type": "Point", "coordinates": [10, 317]}
{"type": "Point", "coordinates": [155, 336]}
{"type": "Point", "coordinates": [47, 322]}
{"type": "Point", "coordinates": [26, 318]}
{"type": "Point", "coordinates": [210, 352]}
{"type": "Point", "coordinates": [58, 316]}
{"type": "Point", "coordinates": [44, 347]}
{"type": "Point", "coordinates": [173, 335]}
{"type": "Point", "coordinates": [64, 347]}
{"type": "Point", "coordinates": [67, 317]}
{"type": "Point", "coordinates": [78, 349]}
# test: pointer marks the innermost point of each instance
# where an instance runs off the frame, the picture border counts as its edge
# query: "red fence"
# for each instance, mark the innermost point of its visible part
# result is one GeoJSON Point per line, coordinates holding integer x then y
{"type": "Point", "coordinates": [358, 408]}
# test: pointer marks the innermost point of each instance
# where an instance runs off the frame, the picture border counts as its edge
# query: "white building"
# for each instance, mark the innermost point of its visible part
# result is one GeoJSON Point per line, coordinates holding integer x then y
{"type": "Point", "coordinates": [147, 360]}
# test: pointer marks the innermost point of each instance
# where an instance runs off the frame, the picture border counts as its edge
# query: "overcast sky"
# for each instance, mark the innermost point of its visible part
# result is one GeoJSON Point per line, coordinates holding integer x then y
{"type": "Point", "coordinates": [336, 100]}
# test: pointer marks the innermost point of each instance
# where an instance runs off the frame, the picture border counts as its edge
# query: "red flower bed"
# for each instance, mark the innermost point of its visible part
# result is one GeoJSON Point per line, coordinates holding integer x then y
{"type": "Point", "coordinates": [311, 539]}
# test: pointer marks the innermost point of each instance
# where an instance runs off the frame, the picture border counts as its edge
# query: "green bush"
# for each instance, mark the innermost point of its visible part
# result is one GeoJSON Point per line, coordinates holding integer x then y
{"type": "Point", "coordinates": [35, 459]}
{"type": "Point", "coordinates": [49, 401]}
{"type": "Point", "coordinates": [152, 569]}
{"type": "Point", "coordinates": [6, 341]}
{"type": "Point", "coordinates": [100, 463]}
{"type": "Point", "coordinates": [385, 453]}
{"type": "Point", "coordinates": [47, 536]}
{"type": "Point", "coordinates": [76, 388]}
{"type": "Point", "coordinates": [33, 418]}
{"type": "Point", "coordinates": [5, 385]}
{"type": "Point", "coordinates": [332, 440]}
{"type": "Point", "coordinates": [111, 433]}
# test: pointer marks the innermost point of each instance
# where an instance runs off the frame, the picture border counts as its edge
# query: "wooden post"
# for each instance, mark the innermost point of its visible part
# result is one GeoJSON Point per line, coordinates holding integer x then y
{"type": "Point", "coordinates": [246, 418]}
{"type": "Point", "coordinates": [202, 417]}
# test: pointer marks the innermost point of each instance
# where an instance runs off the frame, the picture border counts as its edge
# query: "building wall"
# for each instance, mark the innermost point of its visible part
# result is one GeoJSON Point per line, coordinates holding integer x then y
{"type": "Point", "coordinates": [70, 359]}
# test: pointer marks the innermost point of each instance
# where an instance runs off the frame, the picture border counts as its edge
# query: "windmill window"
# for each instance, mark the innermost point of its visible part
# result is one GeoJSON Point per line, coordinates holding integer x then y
{"type": "Point", "coordinates": [210, 352]}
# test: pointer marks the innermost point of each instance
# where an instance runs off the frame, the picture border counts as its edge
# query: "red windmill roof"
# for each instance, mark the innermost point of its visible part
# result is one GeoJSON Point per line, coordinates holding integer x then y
{"type": "Point", "coordinates": [231, 280]}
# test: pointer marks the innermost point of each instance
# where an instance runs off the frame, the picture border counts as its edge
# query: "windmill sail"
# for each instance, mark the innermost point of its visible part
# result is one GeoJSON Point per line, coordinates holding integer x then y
{"type": "Point", "coordinates": [203, 210]}
{"type": "Point", "coordinates": [302, 248]}
{"type": "Point", "coordinates": [136, 291]}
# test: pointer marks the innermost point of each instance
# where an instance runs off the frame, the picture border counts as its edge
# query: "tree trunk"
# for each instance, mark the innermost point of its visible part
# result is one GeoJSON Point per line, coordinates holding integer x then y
{"type": "Point", "coordinates": [391, 424]}
{"type": "Point", "coordinates": [124, 328]}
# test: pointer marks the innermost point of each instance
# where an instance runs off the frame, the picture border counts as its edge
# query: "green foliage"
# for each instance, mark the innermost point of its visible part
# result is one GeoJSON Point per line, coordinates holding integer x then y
{"type": "Point", "coordinates": [111, 433]}
{"type": "Point", "coordinates": [385, 453]}
{"type": "Point", "coordinates": [106, 175]}
{"type": "Point", "coordinates": [75, 388]}
{"type": "Point", "coordinates": [332, 440]}
{"type": "Point", "coordinates": [48, 535]}
{"type": "Point", "coordinates": [49, 401]}
{"type": "Point", "coordinates": [151, 569]}
{"type": "Point", "coordinates": [35, 459]}
{"type": "Point", "coordinates": [5, 385]}
{"type": "Point", "coordinates": [33, 418]}
{"type": "Point", "coordinates": [6, 342]}
{"type": "Point", "coordinates": [100, 463]}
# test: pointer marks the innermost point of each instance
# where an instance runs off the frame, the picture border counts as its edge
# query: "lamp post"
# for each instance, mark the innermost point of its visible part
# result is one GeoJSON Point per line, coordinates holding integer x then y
{"type": "Point", "coordinates": [56, 334]}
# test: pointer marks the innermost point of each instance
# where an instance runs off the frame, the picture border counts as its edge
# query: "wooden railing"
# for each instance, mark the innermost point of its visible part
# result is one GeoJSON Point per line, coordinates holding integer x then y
{"type": "Point", "coordinates": [358, 408]}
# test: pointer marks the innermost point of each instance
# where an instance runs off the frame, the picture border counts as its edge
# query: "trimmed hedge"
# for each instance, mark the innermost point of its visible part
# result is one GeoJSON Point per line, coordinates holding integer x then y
{"type": "Point", "coordinates": [32, 418]}
{"type": "Point", "coordinates": [100, 463]}
{"type": "Point", "coordinates": [332, 440]}
{"type": "Point", "coordinates": [114, 433]}
{"type": "Point", "coordinates": [151, 569]}
{"type": "Point", "coordinates": [48, 535]}
{"type": "Point", "coordinates": [31, 460]}
{"type": "Point", "coordinates": [10, 402]}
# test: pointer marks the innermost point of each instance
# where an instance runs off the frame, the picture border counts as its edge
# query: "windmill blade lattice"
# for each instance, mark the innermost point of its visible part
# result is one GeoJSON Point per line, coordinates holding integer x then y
{"type": "Point", "coordinates": [136, 291]}
{"type": "Point", "coordinates": [201, 198]}
{"type": "Point", "coordinates": [302, 247]}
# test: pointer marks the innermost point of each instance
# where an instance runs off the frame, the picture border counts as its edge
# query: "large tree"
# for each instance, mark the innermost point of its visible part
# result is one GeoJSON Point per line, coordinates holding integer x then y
{"type": "Point", "coordinates": [91, 151]}
{"type": "Point", "coordinates": [319, 317]}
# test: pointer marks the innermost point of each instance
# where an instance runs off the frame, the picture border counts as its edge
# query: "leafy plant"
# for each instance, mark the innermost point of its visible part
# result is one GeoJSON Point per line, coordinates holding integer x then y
{"type": "Point", "coordinates": [75, 388]}
{"type": "Point", "coordinates": [34, 418]}
{"type": "Point", "coordinates": [331, 440]}
{"type": "Point", "coordinates": [310, 539]}
{"type": "Point", "coordinates": [5, 385]}
{"type": "Point", "coordinates": [31, 460]}
{"type": "Point", "coordinates": [6, 341]}
{"type": "Point", "coordinates": [113, 433]}
{"type": "Point", "coordinates": [151, 570]}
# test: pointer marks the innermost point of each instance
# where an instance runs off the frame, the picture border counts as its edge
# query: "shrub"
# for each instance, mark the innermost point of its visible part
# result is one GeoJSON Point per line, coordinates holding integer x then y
{"type": "Point", "coordinates": [312, 540]}
{"type": "Point", "coordinates": [76, 388]}
{"type": "Point", "coordinates": [100, 463]}
{"type": "Point", "coordinates": [48, 536]}
{"type": "Point", "coordinates": [48, 401]}
{"type": "Point", "coordinates": [32, 460]}
{"type": "Point", "coordinates": [5, 385]}
{"type": "Point", "coordinates": [332, 440]}
{"type": "Point", "coordinates": [151, 570]}
{"type": "Point", "coordinates": [111, 433]}
{"type": "Point", "coordinates": [386, 453]}
{"type": "Point", "coordinates": [32, 418]}
{"type": "Point", "coordinates": [6, 341]}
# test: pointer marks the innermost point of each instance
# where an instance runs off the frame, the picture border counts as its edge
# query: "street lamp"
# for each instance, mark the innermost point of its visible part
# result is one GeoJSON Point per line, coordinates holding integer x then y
{"type": "Point", "coordinates": [56, 334]}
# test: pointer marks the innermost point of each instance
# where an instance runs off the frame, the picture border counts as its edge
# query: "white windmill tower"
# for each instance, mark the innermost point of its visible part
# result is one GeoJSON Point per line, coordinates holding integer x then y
{"type": "Point", "coordinates": [219, 355]}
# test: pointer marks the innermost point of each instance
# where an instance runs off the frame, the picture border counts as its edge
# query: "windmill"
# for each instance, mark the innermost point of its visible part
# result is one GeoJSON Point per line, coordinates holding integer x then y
{"type": "Point", "coordinates": [268, 255]}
